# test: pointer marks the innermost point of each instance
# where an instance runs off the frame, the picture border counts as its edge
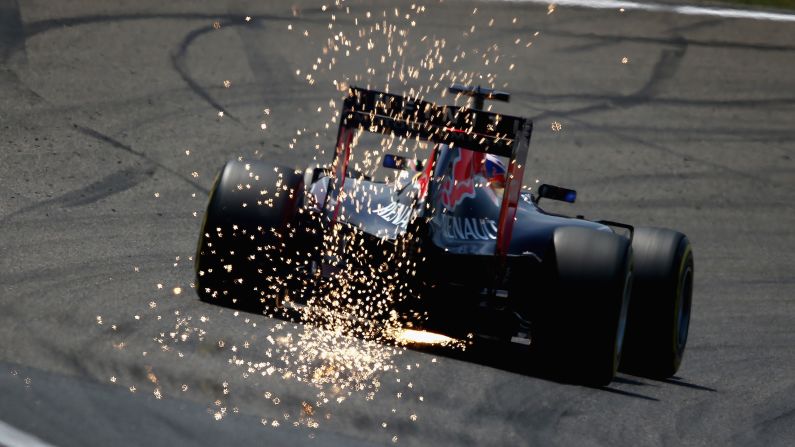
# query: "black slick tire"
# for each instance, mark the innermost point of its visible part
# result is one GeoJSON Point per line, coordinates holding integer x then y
{"type": "Point", "coordinates": [579, 320]}
{"type": "Point", "coordinates": [659, 314]}
{"type": "Point", "coordinates": [251, 215]}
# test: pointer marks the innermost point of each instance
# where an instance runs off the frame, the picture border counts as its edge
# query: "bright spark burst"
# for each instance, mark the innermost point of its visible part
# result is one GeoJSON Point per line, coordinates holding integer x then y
{"type": "Point", "coordinates": [411, 336]}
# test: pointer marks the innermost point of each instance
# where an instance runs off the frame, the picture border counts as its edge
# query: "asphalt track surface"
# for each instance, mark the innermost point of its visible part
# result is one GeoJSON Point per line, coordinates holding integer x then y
{"type": "Point", "coordinates": [99, 102]}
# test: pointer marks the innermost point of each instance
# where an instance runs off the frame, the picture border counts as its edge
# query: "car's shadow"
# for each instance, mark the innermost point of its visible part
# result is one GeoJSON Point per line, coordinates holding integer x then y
{"type": "Point", "coordinates": [510, 357]}
{"type": "Point", "coordinates": [519, 359]}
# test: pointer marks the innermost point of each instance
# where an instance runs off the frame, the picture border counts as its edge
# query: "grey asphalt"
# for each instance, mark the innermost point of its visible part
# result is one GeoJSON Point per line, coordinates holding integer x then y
{"type": "Point", "coordinates": [110, 135]}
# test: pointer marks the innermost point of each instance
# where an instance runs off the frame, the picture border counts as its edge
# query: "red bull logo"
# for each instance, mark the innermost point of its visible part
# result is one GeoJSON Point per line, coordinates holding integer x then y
{"type": "Point", "coordinates": [461, 183]}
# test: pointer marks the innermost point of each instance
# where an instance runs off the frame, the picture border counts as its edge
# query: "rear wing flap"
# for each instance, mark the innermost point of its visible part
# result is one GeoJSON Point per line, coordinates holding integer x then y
{"type": "Point", "coordinates": [414, 118]}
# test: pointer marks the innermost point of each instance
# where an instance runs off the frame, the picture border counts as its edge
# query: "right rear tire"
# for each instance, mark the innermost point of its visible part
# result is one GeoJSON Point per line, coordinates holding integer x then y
{"type": "Point", "coordinates": [578, 320]}
{"type": "Point", "coordinates": [659, 317]}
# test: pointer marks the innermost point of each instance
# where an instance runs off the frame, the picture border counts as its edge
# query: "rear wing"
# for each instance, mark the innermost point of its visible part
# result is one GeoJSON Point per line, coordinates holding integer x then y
{"type": "Point", "coordinates": [412, 118]}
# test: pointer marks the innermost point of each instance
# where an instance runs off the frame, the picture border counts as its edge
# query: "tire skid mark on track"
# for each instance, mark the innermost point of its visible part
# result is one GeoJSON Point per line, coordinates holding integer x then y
{"type": "Point", "coordinates": [12, 78]}
{"type": "Point", "coordinates": [180, 66]}
{"type": "Point", "coordinates": [665, 149]}
{"type": "Point", "coordinates": [665, 69]}
{"type": "Point", "coordinates": [102, 267]}
{"type": "Point", "coordinates": [653, 40]}
{"type": "Point", "coordinates": [268, 69]}
{"type": "Point", "coordinates": [157, 117]}
{"type": "Point", "coordinates": [262, 71]}
{"type": "Point", "coordinates": [785, 418]}
{"type": "Point", "coordinates": [177, 58]}
{"type": "Point", "coordinates": [677, 30]}
{"type": "Point", "coordinates": [113, 183]}
{"type": "Point", "coordinates": [110, 184]}
{"type": "Point", "coordinates": [119, 145]}
{"type": "Point", "coordinates": [12, 47]}
{"type": "Point", "coordinates": [106, 186]}
{"type": "Point", "coordinates": [699, 25]}
{"type": "Point", "coordinates": [12, 32]}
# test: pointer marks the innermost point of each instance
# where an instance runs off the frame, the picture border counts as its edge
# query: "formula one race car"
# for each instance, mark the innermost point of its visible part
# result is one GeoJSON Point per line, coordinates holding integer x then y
{"type": "Point", "coordinates": [449, 241]}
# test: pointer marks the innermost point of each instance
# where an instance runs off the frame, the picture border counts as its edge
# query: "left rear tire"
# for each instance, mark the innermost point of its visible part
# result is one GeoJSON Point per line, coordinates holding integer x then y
{"type": "Point", "coordinates": [250, 219]}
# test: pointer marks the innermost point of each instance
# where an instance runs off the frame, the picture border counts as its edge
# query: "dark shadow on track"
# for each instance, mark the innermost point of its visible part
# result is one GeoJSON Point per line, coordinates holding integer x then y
{"type": "Point", "coordinates": [513, 358]}
{"type": "Point", "coordinates": [678, 382]}
{"type": "Point", "coordinates": [519, 359]}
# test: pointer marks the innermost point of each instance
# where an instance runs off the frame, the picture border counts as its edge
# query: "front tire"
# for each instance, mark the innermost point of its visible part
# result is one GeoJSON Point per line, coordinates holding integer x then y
{"type": "Point", "coordinates": [659, 315]}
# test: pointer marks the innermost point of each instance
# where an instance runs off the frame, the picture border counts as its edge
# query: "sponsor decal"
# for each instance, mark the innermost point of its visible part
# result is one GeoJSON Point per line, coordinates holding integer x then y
{"type": "Point", "coordinates": [461, 228]}
{"type": "Point", "coordinates": [468, 228]}
{"type": "Point", "coordinates": [461, 183]}
{"type": "Point", "coordinates": [395, 213]}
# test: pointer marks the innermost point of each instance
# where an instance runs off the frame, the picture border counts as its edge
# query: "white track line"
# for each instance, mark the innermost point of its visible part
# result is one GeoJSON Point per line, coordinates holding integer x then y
{"type": "Point", "coordinates": [11, 437]}
{"type": "Point", "coordinates": [659, 7]}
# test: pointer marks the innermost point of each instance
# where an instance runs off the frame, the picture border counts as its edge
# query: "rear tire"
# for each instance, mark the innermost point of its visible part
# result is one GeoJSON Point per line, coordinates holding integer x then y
{"type": "Point", "coordinates": [249, 223]}
{"type": "Point", "coordinates": [579, 320]}
{"type": "Point", "coordinates": [659, 315]}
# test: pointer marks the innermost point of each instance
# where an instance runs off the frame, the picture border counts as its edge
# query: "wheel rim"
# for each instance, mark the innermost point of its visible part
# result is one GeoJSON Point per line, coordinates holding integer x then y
{"type": "Point", "coordinates": [683, 314]}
